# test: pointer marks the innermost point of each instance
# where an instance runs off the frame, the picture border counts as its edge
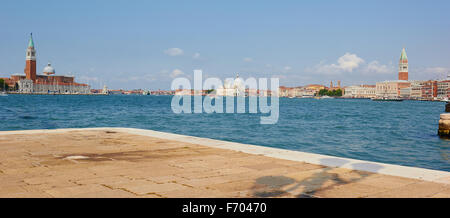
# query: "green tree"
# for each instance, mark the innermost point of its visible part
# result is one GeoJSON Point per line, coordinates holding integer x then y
{"type": "Point", "coordinates": [3, 85]}
{"type": "Point", "coordinates": [336, 92]}
{"type": "Point", "coordinates": [323, 92]}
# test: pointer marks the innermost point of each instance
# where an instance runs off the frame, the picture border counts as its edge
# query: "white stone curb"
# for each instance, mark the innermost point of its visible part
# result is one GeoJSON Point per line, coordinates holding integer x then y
{"type": "Point", "coordinates": [325, 160]}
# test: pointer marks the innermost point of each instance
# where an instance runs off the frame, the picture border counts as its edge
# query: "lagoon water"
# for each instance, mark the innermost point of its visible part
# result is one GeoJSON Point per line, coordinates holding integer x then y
{"type": "Point", "coordinates": [403, 133]}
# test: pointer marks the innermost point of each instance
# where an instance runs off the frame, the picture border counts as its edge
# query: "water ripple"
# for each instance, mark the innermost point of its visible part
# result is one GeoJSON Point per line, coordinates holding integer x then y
{"type": "Point", "coordinates": [402, 133]}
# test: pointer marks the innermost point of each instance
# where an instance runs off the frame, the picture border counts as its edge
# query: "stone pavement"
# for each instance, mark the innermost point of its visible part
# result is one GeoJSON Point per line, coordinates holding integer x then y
{"type": "Point", "coordinates": [110, 163]}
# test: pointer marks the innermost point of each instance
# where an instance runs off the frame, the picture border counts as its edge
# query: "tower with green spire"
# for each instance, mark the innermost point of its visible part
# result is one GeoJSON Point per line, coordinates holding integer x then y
{"type": "Point", "coordinates": [30, 60]}
{"type": "Point", "coordinates": [403, 66]}
{"type": "Point", "coordinates": [30, 42]}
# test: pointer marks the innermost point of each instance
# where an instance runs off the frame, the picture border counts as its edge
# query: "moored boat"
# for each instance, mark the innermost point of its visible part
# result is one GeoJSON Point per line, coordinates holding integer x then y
{"type": "Point", "coordinates": [387, 99]}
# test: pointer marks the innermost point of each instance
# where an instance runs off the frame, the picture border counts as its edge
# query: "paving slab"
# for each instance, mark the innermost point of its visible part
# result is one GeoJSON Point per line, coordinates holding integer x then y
{"type": "Point", "coordinates": [123, 162]}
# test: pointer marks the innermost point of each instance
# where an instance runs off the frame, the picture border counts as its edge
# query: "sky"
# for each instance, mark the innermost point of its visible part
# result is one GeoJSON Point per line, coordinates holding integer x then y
{"type": "Point", "coordinates": [145, 44]}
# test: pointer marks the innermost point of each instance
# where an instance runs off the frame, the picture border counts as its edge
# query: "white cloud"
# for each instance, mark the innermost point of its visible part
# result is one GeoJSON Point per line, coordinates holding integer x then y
{"type": "Point", "coordinates": [174, 51]}
{"type": "Point", "coordinates": [247, 59]}
{"type": "Point", "coordinates": [176, 73]}
{"type": "Point", "coordinates": [377, 68]}
{"type": "Point", "coordinates": [346, 63]}
{"type": "Point", "coordinates": [287, 68]}
{"type": "Point", "coordinates": [439, 70]}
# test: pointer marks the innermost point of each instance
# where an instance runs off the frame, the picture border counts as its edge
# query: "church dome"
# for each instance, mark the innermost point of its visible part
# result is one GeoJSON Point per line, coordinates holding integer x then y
{"type": "Point", "coordinates": [48, 70]}
{"type": "Point", "coordinates": [238, 83]}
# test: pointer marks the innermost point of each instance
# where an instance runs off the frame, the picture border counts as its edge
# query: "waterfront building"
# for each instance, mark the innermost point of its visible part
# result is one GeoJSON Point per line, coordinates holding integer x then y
{"type": "Point", "coordinates": [283, 91]}
{"type": "Point", "coordinates": [116, 92]}
{"type": "Point", "coordinates": [251, 92]}
{"type": "Point", "coordinates": [423, 90]}
{"type": "Point", "coordinates": [105, 90]}
{"type": "Point", "coordinates": [403, 66]}
{"type": "Point", "coordinates": [332, 88]}
{"type": "Point", "coordinates": [184, 92]}
{"type": "Point", "coordinates": [300, 92]}
{"type": "Point", "coordinates": [405, 93]}
{"type": "Point", "coordinates": [8, 81]}
{"type": "Point", "coordinates": [362, 91]}
{"type": "Point", "coordinates": [305, 93]}
{"type": "Point", "coordinates": [47, 83]}
{"type": "Point", "coordinates": [232, 88]}
{"type": "Point", "coordinates": [443, 88]}
{"type": "Point", "coordinates": [416, 90]}
{"type": "Point", "coordinates": [315, 87]}
{"type": "Point", "coordinates": [390, 89]}
{"type": "Point", "coordinates": [429, 89]}
{"type": "Point", "coordinates": [163, 92]}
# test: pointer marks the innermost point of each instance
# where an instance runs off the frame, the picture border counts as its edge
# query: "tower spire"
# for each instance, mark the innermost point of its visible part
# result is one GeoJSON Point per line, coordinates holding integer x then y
{"type": "Point", "coordinates": [403, 55]}
{"type": "Point", "coordinates": [403, 66]}
{"type": "Point", "coordinates": [30, 42]}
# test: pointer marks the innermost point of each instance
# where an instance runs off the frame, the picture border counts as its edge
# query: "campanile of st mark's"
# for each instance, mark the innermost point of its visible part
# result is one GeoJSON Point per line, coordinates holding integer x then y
{"type": "Point", "coordinates": [403, 66]}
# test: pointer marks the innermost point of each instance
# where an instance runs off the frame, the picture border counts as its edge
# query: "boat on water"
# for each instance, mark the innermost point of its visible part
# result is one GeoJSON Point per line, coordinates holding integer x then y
{"type": "Point", "coordinates": [387, 99]}
{"type": "Point", "coordinates": [3, 94]}
{"type": "Point", "coordinates": [326, 97]}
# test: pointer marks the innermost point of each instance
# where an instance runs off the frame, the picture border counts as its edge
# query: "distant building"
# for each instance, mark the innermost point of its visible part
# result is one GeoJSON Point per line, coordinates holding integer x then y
{"type": "Point", "coordinates": [405, 93]}
{"type": "Point", "coordinates": [301, 92]}
{"type": "Point", "coordinates": [315, 87]}
{"type": "Point", "coordinates": [443, 89]}
{"type": "Point", "coordinates": [251, 92]}
{"type": "Point", "coordinates": [232, 88]}
{"type": "Point", "coordinates": [105, 90]}
{"type": "Point", "coordinates": [362, 91]}
{"type": "Point", "coordinates": [116, 92]}
{"type": "Point", "coordinates": [416, 90]}
{"type": "Point", "coordinates": [429, 89]}
{"type": "Point", "coordinates": [332, 88]}
{"type": "Point", "coordinates": [46, 83]}
{"type": "Point", "coordinates": [390, 89]}
{"type": "Point", "coordinates": [423, 90]}
{"type": "Point", "coordinates": [184, 92]}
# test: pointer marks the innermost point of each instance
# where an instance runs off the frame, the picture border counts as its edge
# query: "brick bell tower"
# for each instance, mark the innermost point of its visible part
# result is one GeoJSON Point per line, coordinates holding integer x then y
{"type": "Point", "coordinates": [30, 60]}
{"type": "Point", "coordinates": [403, 66]}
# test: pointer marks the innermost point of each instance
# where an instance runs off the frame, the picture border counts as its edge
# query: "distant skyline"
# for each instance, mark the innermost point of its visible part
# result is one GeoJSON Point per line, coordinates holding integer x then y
{"type": "Point", "coordinates": [144, 44]}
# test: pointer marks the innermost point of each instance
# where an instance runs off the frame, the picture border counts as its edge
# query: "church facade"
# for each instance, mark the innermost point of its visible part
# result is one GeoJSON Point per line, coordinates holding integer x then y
{"type": "Point", "coordinates": [47, 82]}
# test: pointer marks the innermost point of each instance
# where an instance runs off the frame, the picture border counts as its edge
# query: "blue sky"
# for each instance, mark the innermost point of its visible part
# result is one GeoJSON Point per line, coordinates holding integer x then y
{"type": "Point", "coordinates": [144, 44]}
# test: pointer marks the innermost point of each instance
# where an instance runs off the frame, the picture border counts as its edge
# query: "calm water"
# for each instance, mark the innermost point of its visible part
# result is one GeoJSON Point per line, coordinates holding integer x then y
{"type": "Point", "coordinates": [391, 132]}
